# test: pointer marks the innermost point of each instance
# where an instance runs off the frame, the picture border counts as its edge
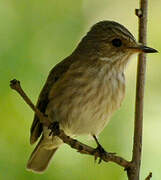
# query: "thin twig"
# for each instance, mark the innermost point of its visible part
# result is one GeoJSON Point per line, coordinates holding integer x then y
{"type": "Point", "coordinates": [149, 176]}
{"type": "Point", "coordinates": [80, 147]}
{"type": "Point", "coordinates": [141, 71]}
{"type": "Point", "coordinates": [14, 84]}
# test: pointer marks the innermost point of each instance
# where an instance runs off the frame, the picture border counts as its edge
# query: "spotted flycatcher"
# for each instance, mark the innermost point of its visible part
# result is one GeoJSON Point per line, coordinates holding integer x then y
{"type": "Point", "coordinates": [85, 89]}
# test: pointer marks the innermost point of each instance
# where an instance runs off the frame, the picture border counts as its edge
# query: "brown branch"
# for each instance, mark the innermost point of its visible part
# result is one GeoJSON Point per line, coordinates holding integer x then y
{"type": "Point", "coordinates": [134, 173]}
{"type": "Point", "coordinates": [80, 147]}
{"type": "Point", "coordinates": [149, 176]}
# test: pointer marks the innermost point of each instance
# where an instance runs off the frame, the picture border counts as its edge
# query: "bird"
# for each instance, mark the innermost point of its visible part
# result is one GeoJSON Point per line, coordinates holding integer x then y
{"type": "Point", "coordinates": [83, 91]}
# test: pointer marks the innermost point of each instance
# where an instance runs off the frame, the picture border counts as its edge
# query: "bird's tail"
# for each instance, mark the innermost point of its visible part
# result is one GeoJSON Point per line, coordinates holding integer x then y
{"type": "Point", "coordinates": [40, 157]}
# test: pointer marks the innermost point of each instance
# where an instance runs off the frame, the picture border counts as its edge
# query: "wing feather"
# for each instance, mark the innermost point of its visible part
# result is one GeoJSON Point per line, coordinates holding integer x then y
{"type": "Point", "coordinates": [55, 74]}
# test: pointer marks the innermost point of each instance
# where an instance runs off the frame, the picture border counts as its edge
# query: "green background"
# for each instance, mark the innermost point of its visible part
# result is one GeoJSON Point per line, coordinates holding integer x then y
{"type": "Point", "coordinates": [34, 36]}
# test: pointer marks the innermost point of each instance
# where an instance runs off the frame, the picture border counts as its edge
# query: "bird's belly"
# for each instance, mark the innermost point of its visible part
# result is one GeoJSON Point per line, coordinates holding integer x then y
{"type": "Point", "coordinates": [88, 110]}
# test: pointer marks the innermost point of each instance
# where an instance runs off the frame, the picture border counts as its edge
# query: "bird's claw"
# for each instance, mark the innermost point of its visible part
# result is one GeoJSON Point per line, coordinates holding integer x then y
{"type": "Point", "coordinates": [101, 152]}
{"type": "Point", "coordinates": [54, 127]}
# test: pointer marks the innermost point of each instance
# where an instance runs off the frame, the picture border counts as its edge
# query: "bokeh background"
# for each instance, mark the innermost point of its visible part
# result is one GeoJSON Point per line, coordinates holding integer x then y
{"type": "Point", "coordinates": [34, 36]}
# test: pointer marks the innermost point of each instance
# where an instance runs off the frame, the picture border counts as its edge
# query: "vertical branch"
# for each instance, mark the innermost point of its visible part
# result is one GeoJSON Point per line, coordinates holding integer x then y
{"type": "Point", "coordinates": [141, 71]}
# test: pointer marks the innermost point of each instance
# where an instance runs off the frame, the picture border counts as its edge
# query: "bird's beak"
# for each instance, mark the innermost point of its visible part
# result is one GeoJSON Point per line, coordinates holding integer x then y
{"type": "Point", "coordinates": [145, 49]}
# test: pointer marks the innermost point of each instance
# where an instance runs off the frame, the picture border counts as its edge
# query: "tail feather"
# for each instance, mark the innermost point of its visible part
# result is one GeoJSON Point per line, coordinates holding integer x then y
{"type": "Point", "coordinates": [40, 158]}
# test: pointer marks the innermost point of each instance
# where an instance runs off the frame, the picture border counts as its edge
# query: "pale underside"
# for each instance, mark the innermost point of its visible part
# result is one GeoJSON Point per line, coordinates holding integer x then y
{"type": "Point", "coordinates": [83, 101]}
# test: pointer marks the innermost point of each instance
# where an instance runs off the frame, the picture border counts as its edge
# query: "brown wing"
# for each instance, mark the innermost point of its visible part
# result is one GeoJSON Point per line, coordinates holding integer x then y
{"type": "Point", "coordinates": [55, 74]}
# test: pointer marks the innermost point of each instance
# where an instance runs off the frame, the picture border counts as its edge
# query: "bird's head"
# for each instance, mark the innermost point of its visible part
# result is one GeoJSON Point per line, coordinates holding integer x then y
{"type": "Point", "coordinates": [111, 41]}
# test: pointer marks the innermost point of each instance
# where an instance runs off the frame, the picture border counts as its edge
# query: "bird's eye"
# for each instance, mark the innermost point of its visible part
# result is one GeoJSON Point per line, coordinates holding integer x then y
{"type": "Point", "coordinates": [116, 42]}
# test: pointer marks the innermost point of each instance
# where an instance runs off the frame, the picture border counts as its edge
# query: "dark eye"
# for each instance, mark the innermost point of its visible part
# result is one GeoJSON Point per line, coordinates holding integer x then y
{"type": "Point", "coordinates": [116, 42]}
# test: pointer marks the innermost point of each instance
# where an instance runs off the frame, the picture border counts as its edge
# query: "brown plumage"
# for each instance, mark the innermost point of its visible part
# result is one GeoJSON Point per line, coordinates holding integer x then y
{"type": "Point", "coordinates": [84, 90]}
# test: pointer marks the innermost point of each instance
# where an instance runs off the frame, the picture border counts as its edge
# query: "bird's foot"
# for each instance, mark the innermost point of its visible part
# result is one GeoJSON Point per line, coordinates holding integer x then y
{"type": "Point", "coordinates": [54, 127]}
{"type": "Point", "coordinates": [99, 152]}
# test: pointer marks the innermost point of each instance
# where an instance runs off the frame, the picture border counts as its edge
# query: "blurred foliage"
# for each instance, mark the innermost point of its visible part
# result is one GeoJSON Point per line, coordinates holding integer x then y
{"type": "Point", "coordinates": [34, 36]}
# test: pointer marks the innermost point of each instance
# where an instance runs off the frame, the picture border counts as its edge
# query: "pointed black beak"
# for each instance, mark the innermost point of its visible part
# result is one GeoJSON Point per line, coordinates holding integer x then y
{"type": "Point", "coordinates": [142, 48]}
{"type": "Point", "coordinates": [147, 49]}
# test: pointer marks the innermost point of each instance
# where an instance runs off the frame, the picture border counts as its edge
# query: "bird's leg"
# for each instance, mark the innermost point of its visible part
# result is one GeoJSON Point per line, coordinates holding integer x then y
{"type": "Point", "coordinates": [54, 127]}
{"type": "Point", "coordinates": [100, 150]}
